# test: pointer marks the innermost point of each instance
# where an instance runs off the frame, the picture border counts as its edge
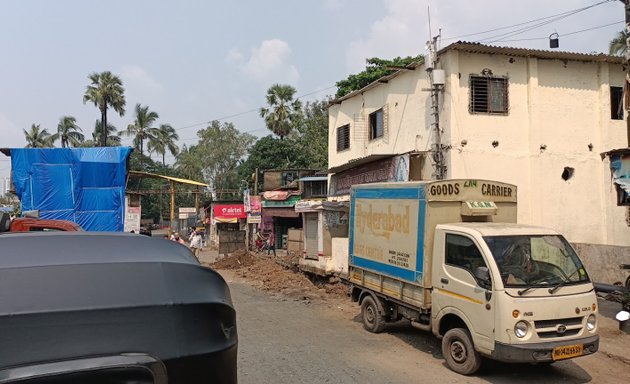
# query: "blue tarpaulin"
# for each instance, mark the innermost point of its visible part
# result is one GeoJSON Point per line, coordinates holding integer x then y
{"type": "Point", "coordinates": [84, 185]}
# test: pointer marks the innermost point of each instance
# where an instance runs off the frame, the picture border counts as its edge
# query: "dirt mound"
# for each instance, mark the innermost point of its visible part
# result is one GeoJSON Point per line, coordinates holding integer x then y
{"type": "Point", "coordinates": [236, 260]}
{"type": "Point", "coordinates": [281, 275]}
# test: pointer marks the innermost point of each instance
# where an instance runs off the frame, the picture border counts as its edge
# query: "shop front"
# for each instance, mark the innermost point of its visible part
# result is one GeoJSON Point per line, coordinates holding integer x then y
{"type": "Point", "coordinates": [279, 215]}
{"type": "Point", "coordinates": [227, 221]}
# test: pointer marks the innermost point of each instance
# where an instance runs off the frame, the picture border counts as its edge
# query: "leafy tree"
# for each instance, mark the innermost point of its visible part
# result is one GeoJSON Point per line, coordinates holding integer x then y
{"type": "Point", "coordinates": [164, 139]}
{"type": "Point", "coordinates": [618, 46]}
{"type": "Point", "coordinates": [313, 134]}
{"type": "Point", "coordinates": [113, 139]}
{"type": "Point", "coordinates": [272, 153]}
{"type": "Point", "coordinates": [220, 150]}
{"type": "Point", "coordinates": [105, 91]}
{"type": "Point", "coordinates": [69, 132]}
{"type": "Point", "coordinates": [282, 111]}
{"type": "Point", "coordinates": [39, 138]}
{"type": "Point", "coordinates": [374, 70]}
{"type": "Point", "coordinates": [142, 129]}
{"type": "Point", "coordinates": [187, 163]}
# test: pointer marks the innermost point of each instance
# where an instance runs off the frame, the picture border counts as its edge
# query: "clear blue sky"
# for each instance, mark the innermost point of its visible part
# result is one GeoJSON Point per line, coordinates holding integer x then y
{"type": "Point", "coordinates": [196, 61]}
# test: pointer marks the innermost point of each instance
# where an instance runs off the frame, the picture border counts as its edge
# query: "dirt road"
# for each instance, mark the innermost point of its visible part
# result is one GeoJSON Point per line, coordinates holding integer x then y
{"type": "Point", "coordinates": [318, 338]}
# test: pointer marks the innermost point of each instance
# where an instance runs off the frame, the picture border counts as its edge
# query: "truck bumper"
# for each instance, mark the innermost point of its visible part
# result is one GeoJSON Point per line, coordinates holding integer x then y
{"type": "Point", "coordinates": [541, 352]}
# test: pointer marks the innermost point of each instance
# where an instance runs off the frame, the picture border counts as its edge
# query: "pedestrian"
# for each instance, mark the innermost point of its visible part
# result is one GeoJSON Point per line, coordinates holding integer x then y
{"type": "Point", "coordinates": [195, 243]}
{"type": "Point", "coordinates": [178, 239]}
{"type": "Point", "coordinates": [271, 243]}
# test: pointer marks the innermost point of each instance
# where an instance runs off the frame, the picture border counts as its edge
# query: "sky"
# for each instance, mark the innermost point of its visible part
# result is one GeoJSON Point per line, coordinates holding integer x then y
{"type": "Point", "coordinates": [194, 61]}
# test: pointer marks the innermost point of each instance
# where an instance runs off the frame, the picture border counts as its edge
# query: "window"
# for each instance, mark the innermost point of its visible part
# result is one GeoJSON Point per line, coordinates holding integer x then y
{"type": "Point", "coordinates": [343, 137]}
{"type": "Point", "coordinates": [616, 103]}
{"type": "Point", "coordinates": [488, 95]}
{"type": "Point", "coordinates": [316, 188]}
{"type": "Point", "coordinates": [463, 253]}
{"type": "Point", "coordinates": [376, 124]}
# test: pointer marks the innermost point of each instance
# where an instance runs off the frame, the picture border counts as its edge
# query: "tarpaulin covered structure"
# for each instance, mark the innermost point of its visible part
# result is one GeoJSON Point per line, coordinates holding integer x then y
{"type": "Point", "coordinates": [84, 185]}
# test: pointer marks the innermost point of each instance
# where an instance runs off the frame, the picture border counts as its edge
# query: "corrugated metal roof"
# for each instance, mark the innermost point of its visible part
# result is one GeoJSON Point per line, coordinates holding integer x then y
{"type": "Point", "coordinates": [525, 52]}
{"type": "Point", "coordinates": [494, 50]}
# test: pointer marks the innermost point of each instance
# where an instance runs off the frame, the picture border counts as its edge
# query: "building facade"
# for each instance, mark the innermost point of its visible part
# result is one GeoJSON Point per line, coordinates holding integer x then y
{"type": "Point", "coordinates": [536, 119]}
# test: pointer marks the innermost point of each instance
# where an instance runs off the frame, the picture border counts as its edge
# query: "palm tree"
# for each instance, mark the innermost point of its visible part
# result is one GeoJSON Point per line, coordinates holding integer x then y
{"type": "Point", "coordinates": [164, 139]}
{"type": "Point", "coordinates": [105, 91]}
{"type": "Point", "coordinates": [113, 140]}
{"type": "Point", "coordinates": [618, 46]}
{"type": "Point", "coordinates": [141, 128]}
{"type": "Point", "coordinates": [39, 138]}
{"type": "Point", "coordinates": [69, 132]}
{"type": "Point", "coordinates": [283, 111]}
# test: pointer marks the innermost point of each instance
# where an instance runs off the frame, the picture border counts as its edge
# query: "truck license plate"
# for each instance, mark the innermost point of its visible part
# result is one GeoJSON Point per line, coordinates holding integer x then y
{"type": "Point", "coordinates": [567, 352]}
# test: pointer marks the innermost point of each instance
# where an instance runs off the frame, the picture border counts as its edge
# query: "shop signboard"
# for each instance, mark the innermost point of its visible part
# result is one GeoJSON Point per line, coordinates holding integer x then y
{"type": "Point", "coordinates": [395, 168]}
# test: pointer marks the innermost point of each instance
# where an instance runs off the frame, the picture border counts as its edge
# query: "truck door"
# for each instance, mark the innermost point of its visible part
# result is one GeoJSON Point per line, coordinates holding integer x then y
{"type": "Point", "coordinates": [458, 291]}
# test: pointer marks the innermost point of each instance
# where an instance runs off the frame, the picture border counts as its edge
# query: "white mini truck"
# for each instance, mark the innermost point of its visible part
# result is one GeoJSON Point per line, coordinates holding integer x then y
{"type": "Point", "coordinates": [449, 256]}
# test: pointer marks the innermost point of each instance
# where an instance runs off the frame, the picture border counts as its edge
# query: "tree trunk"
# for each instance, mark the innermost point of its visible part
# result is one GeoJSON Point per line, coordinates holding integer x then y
{"type": "Point", "coordinates": [164, 159]}
{"type": "Point", "coordinates": [104, 127]}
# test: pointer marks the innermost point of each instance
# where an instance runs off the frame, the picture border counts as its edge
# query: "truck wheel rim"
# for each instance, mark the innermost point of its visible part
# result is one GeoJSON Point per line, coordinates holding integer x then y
{"type": "Point", "coordinates": [369, 314]}
{"type": "Point", "coordinates": [458, 351]}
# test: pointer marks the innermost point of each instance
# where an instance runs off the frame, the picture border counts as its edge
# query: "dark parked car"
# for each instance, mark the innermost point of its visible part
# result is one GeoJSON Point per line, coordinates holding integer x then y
{"type": "Point", "coordinates": [79, 307]}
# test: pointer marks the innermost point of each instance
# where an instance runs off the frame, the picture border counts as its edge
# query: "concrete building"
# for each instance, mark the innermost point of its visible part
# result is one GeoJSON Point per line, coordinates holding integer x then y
{"type": "Point", "coordinates": [537, 119]}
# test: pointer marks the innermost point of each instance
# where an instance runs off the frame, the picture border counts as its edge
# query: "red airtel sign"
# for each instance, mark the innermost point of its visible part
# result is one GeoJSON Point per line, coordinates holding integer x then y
{"type": "Point", "coordinates": [229, 211]}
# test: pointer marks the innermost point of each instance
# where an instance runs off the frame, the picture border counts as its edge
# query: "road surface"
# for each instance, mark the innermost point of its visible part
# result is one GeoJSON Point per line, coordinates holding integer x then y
{"type": "Point", "coordinates": [291, 340]}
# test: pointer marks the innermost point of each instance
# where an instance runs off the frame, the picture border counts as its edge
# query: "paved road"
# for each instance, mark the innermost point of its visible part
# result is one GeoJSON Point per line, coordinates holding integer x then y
{"type": "Point", "coordinates": [287, 340]}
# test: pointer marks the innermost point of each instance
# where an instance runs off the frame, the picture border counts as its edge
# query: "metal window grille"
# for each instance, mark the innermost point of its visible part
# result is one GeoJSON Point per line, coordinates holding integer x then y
{"type": "Point", "coordinates": [343, 137]}
{"type": "Point", "coordinates": [488, 95]}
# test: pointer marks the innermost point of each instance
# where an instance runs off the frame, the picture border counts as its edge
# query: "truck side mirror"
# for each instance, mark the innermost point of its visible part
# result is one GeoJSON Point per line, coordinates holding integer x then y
{"type": "Point", "coordinates": [483, 275]}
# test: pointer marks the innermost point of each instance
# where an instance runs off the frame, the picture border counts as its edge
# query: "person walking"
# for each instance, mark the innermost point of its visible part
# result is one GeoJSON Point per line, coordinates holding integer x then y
{"type": "Point", "coordinates": [271, 243]}
{"type": "Point", "coordinates": [196, 243]}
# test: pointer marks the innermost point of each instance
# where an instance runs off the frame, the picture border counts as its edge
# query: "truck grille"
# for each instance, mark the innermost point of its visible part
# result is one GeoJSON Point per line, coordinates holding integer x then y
{"type": "Point", "coordinates": [558, 327]}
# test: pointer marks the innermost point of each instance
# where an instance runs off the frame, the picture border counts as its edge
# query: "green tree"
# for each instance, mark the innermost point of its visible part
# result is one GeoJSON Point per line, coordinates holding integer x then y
{"type": "Point", "coordinates": [164, 140]}
{"type": "Point", "coordinates": [187, 163]}
{"type": "Point", "coordinates": [374, 70]}
{"type": "Point", "coordinates": [113, 139]}
{"type": "Point", "coordinates": [618, 46]}
{"type": "Point", "coordinates": [105, 91]}
{"type": "Point", "coordinates": [313, 134]}
{"type": "Point", "coordinates": [221, 149]}
{"type": "Point", "coordinates": [142, 129]}
{"type": "Point", "coordinates": [282, 111]}
{"type": "Point", "coordinates": [272, 153]}
{"type": "Point", "coordinates": [69, 132]}
{"type": "Point", "coordinates": [37, 137]}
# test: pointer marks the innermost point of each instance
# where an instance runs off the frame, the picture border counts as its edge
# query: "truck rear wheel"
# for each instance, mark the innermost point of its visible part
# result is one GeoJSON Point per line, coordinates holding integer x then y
{"type": "Point", "coordinates": [459, 352]}
{"type": "Point", "coordinates": [373, 320]}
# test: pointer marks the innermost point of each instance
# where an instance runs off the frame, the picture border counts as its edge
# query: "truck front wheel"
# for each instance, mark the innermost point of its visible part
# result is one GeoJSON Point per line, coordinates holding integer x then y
{"type": "Point", "coordinates": [459, 352]}
{"type": "Point", "coordinates": [373, 320]}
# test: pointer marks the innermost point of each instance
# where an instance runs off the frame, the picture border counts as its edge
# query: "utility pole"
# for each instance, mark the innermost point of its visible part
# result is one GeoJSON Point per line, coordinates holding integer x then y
{"type": "Point", "coordinates": [439, 160]}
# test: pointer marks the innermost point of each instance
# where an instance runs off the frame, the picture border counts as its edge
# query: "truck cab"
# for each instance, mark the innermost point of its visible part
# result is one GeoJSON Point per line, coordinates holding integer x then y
{"type": "Point", "coordinates": [34, 224]}
{"type": "Point", "coordinates": [520, 291]}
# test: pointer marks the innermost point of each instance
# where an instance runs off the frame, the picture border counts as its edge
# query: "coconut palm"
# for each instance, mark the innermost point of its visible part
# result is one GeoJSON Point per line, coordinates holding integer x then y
{"type": "Point", "coordinates": [164, 139]}
{"type": "Point", "coordinates": [39, 138]}
{"type": "Point", "coordinates": [105, 91]}
{"type": "Point", "coordinates": [113, 140]}
{"type": "Point", "coordinates": [618, 46]}
{"type": "Point", "coordinates": [142, 129]}
{"type": "Point", "coordinates": [283, 111]}
{"type": "Point", "coordinates": [69, 132]}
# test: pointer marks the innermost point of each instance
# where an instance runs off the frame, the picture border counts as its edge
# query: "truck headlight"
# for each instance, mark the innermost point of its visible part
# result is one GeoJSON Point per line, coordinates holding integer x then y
{"type": "Point", "coordinates": [521, 328]}
{"type": "Point", "coordinates": [591, 322]}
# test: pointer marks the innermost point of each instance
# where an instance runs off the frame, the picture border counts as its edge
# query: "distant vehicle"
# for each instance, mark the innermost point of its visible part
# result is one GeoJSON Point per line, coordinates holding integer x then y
{"type": "Point", "coordinates": [106, 308]}
{"type": "Point", "coordinates": [32, 224]}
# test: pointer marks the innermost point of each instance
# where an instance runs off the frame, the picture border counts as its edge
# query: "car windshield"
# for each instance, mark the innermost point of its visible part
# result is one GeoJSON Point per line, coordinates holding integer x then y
{"type": "Point", "coordinates": [536, 261]}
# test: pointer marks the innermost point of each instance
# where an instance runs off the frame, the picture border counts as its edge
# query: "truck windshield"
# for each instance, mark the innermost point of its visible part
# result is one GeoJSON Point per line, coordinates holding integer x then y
{"type": "Point", "coordinates": [536, 261]}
